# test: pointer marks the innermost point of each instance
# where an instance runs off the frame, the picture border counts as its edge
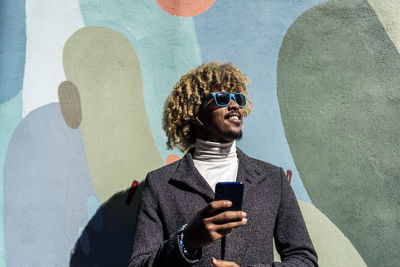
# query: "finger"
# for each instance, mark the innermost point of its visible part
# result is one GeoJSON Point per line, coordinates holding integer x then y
{"type": "Point", "coordinates": [220, 228]}
{"type": "Point", "coordinates": [214, 262]}
{"type": "Point", "coordinates": [222, 263]}
{"type": "Point", "coordinates": [227, 216]}
{"type": "Point", "coordinates": [217, 206]}
{"type": "Point", "coordinates": [220, 204]}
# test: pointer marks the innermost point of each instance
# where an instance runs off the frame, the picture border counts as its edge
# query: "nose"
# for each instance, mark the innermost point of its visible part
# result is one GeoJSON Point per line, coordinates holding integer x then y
{"type": "Point", "coordinates": [233, 104]}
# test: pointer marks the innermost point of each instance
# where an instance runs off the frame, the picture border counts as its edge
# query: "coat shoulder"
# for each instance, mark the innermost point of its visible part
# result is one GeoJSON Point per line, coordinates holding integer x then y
{"type": "Point", "coordinates": [263, 164]}
{"type": "Point", "coordinates": [163, 173]}
{"type": "Point", "coordinates": [256, 163]}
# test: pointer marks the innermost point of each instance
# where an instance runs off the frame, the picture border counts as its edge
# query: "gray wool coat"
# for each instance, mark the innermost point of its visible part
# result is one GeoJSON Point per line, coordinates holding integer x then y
{"type": "Point", "coordinates": [173, 194]}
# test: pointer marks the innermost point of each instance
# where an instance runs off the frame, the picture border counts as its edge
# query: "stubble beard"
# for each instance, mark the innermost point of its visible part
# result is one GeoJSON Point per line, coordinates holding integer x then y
{"type": "Point", "coordinates": [234, 135]}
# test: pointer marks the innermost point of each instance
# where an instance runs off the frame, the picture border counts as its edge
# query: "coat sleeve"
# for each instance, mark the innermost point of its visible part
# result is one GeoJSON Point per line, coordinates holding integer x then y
{"type": "Point", "coordinates": [291, 236]}
{"type": "Point", "coordinates": [150, 248]}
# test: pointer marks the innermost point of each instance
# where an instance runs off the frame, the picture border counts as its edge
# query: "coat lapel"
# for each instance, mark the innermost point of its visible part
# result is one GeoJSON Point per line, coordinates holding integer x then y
{"type": "Point", "coordinates": [187, 174]}
{"type": "Point", "coordinates": [248, 172]}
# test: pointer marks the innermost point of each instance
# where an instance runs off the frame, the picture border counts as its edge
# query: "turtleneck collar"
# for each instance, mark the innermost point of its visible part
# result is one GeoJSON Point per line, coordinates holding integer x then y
{"type": "Point", "coordinates": [207, 150]}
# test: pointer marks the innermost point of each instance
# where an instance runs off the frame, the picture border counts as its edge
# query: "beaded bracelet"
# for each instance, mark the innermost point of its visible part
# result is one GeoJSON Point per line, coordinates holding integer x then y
{"type": "Point", "coordinates": [189, 254]}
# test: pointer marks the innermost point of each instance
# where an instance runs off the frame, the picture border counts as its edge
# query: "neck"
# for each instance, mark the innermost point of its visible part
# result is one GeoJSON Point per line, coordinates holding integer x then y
{"type": "Point", "coordinates": [207, 150]}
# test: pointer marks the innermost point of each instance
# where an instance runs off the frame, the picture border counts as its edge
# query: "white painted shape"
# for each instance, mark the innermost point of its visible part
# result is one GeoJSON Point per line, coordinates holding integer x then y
{"type": "Point", "coordinates": [49, 24]}
{"type": "Point", "coordinates": [388, 14]}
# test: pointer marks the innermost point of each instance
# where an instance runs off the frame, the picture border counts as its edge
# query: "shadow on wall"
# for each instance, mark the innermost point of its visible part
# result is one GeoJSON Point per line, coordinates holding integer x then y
{"type": "Point", "coordinates": [107, 238]}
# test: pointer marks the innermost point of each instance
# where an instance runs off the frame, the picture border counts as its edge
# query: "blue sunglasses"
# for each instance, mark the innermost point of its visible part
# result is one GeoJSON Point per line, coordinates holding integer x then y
{"type": "Point", "coordinates": [223, 99]}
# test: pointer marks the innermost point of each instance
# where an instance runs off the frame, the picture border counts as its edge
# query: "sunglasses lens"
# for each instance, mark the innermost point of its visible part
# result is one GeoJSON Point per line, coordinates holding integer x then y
{"type": "Point", "coordinates": [222, 99]}
{"type": "Point", "coordinates": [240, 99]}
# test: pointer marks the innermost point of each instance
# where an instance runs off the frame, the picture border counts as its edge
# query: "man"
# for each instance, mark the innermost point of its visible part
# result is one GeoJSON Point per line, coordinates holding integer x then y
{"type": "Point", "coordinates": [178, 222]}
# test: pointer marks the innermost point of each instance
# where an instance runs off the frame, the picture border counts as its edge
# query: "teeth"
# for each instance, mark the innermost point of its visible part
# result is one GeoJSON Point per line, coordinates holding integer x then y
{"type": "Point", "coordinates": [234, 117]}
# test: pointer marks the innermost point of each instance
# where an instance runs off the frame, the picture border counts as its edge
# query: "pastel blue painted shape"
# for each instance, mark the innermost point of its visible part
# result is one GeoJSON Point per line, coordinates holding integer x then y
{"type": "Point", "coordinates": [10, 116]}
{"type": "Point", "coordinates": [249, 34]}
{"type": "Point", "coordinates": [92, 205]}
{"type": "Point", "coordinates": [12, 48]}
{"type": "Point", "coordinates": [166, 46]}
{"type": "Point", "coordinates": [46, 187]}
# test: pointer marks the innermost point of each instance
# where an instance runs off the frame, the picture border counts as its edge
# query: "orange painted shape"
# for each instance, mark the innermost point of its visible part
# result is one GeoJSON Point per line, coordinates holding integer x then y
{"type": "Point", "coordinates": [185, 8]}
{"type": "Point", "coordinates": [171, 158]}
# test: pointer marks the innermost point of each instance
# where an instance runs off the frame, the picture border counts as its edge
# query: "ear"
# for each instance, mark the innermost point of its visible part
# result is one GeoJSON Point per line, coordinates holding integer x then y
{"type": "Point", "coordinates": [196, 121]}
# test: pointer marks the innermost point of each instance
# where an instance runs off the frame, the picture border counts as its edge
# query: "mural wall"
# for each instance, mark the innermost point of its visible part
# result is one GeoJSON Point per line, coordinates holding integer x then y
{"type": "Point", "coordinates": [82, 88]}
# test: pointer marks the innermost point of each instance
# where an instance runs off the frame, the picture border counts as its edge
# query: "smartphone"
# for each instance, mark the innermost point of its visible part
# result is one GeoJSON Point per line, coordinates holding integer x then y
{"type": "Point", "coordinates": [232, 191]}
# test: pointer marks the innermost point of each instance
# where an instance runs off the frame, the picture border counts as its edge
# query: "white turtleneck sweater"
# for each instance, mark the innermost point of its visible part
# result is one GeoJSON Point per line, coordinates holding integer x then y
{"type": "Point", "coordinates": [216, 162]}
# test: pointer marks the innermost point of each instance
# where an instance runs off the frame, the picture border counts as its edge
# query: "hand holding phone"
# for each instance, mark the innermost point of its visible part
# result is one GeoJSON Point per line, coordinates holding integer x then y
{"type": "Point", "coordinates": [218, 218]}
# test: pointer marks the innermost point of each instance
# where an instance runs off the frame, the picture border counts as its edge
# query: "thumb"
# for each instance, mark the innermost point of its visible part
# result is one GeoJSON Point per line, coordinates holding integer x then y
{"type": "Point", "coordinates": [214, 261]}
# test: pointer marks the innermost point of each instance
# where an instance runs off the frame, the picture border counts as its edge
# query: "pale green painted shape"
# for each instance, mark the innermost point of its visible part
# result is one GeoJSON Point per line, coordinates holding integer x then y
{"type": "Point", "coordinates": [166, 46]}
{"type": "Point", "coordinates": [339, 94]}
{"type": "Point", "coordinates": [332, 246]}
{"type": "Point", "coordinates": [277, 257]}
{"type": "Point", "coordinates": [388, 14]}
{"type": "Point", "coordinates": [104, 67]}
{"type": "Point", "coordinates": [10, 117]}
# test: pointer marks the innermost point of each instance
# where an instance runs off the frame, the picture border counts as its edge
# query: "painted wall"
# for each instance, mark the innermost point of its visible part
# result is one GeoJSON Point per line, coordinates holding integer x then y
{"type": "Point", "coordinates": [82, 87]}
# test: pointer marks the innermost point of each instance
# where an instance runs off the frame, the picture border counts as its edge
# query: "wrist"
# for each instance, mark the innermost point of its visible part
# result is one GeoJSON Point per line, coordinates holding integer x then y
{"type": "Point", "coordinates": [187, 240]}
{"type": "Point", "coordinates": [184, 245]}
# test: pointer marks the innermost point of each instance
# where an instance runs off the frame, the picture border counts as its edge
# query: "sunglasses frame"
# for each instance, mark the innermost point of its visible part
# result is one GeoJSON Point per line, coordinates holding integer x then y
{"type": "Point", "coordinates": [231, 96]}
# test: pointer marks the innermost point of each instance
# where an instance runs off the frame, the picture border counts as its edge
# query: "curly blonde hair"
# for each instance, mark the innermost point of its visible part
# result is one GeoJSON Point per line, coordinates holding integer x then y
{"type": "Point", "coordinates": [184, 101]}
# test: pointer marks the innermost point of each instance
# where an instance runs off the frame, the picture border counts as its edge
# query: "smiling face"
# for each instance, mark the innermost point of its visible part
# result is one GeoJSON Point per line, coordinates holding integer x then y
{"type": "Point", "coordinates": [220, 124]}
{"type": "Point", "coordinates": [184, 105]}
